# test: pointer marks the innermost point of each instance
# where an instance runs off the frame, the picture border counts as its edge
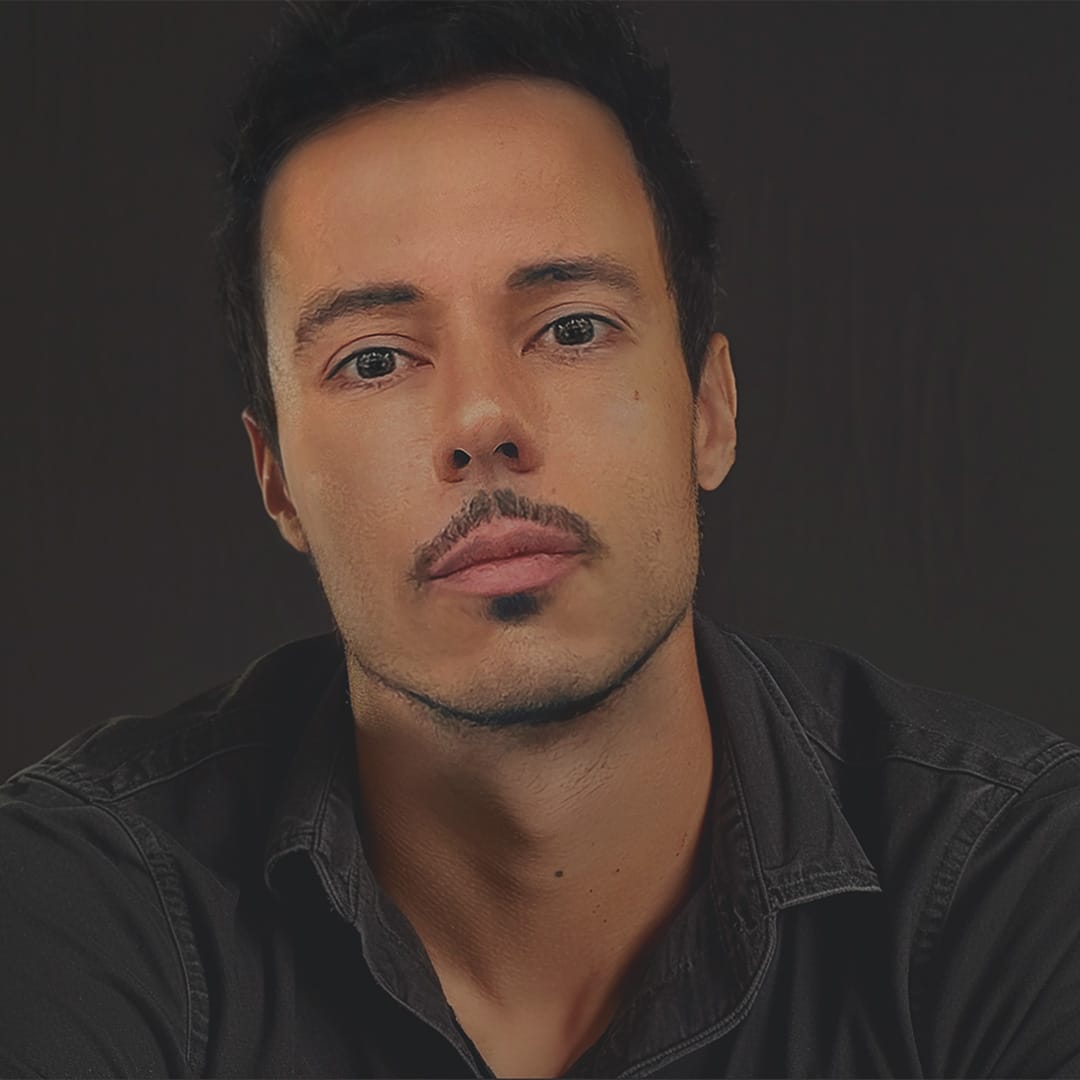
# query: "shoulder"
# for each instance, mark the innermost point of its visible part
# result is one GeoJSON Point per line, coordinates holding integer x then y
{"type": "Point", "coordinates": [971, 816]}
{"type": "Point", "coordinates": [263, 705]}
{"type": "Point", "coordinates": [95, 940]}
{"type": "Point", "coordinates": [861, 716]}
{"type": "Point", "coordinates": [997, 982]}
{"type": "Point", "coordinates": [199, 779]}
{"type": "Point", "coordinates": [93, 979]}
{"type": "Point", "coordinates": [922, 776]}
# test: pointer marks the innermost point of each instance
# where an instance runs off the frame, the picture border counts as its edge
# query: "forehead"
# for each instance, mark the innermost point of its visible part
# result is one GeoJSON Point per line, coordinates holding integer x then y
{"type": "Point", "coordinates": [452, 189]}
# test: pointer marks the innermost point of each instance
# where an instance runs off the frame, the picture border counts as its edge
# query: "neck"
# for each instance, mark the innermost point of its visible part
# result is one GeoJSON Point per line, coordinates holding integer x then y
{"type": "Point", "coordinates": [537, 875]}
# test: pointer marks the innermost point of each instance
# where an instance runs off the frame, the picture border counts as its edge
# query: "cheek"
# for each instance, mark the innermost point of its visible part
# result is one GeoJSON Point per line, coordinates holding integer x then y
{"type": "Point", "coordinates": [649, 421]}
{"type": "Point", "coordinates": [338, 481]}
{"type": "Point", "coordinates": [642, 437]}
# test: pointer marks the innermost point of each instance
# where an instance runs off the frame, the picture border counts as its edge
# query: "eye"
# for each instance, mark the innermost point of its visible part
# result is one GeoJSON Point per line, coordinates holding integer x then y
{"type": "Point", "coordinates": [377, 366]}
{"type": "Point", "coordinates": [577, 332]}
{"type": "Point", "coordinates": [580, 329]}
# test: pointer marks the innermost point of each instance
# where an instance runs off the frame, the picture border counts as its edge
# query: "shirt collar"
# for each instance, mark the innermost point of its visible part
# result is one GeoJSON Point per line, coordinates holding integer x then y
{"type": "Point", "coordinates": [778, 837]}
{"type": "Point", "coordinates": [803, 846]}
{"type": "Point", "coordinates": [314, 830]}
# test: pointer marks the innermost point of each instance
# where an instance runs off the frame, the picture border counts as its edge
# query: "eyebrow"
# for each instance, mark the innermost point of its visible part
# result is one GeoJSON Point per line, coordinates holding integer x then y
{"type": "Point", "coordinates": [329, 305]}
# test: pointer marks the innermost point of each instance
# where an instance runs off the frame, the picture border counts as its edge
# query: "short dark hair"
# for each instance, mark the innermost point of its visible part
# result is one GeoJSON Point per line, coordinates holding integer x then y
{"type": "Point", "coordinates": [327, 59]}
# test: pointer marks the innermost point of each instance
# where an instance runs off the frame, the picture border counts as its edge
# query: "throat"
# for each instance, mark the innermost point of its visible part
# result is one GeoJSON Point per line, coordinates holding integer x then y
{"type": "Point", "coordinates": [530, 1042]}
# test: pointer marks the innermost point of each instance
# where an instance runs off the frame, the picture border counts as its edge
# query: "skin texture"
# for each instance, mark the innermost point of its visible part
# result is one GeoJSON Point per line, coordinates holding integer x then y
{"type": "Point", "coordinates": [535, 770]}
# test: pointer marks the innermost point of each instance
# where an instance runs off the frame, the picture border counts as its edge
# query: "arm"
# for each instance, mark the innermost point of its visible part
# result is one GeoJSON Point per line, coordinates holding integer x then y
{"type": "Point", "coordinates": [92, 981]}
{"type": "Point", "coordinates": [1004, 984]}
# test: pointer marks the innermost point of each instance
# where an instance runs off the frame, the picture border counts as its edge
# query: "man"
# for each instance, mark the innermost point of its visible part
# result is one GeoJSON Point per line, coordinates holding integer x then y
{"type": "Point", "coordinates": [526, 812]}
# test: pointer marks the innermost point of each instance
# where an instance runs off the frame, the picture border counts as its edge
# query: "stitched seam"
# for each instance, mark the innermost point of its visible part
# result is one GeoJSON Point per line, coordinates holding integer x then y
{"type": "Point", "coordinates": [183, 769]}
{"type": "Point", "coordinates": [318, 826]}
{"type": "Point", "coordinates": [899, 756]}
{"type": "Point", "coordinates": [169, 888]}
{"type": "Point", "coordinates": [764, 912]}
{"type": "Point", "coordinates": [63, 765]}
{"type": "Point", "coordinates": [1033, 767]}
{"type": "Point", "coordinates": [127, 829]}
{"type": "Point", "coordinates": [786, 710]}
{"type": "Point", "coordinates": [793, 892]}
{"type": "Point", "coordinates": [942, 891]}
{"type": "Point", "coordinates": [168, 918]}
{"type": "Point", "coordinates": [688, 1046]}
{"type": "Point", "coordinates": [991, 821]}
{"type": "Point", "coordinates": [1028, 766]}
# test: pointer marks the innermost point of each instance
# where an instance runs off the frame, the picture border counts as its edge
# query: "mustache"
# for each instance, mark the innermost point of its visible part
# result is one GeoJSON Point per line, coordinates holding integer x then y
{"type": "Point", "coordinates": [502, 503]}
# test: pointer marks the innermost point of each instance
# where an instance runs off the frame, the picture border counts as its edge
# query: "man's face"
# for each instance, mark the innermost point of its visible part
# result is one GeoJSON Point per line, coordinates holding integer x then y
{"type": "Point", "coordinates": [453, 194]}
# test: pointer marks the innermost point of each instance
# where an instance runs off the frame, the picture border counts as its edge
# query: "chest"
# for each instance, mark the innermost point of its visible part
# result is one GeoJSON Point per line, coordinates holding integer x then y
{"type": "Point", "coordinates": [528, 1042]}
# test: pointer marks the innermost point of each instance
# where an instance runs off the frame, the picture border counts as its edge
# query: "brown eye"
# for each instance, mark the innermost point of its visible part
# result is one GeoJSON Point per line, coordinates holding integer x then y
{"type": "Point", "coordinates": [574, 330]}
{"type": "Point", "coordinates": [373, 363]}
{"type": "Point", "coordinates": [369, 366]}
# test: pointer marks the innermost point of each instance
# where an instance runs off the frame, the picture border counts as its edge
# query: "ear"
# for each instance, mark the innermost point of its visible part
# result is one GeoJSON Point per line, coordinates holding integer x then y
{"type": "Point", "coordinates": [272, 483]}
{"type": "Point", "coordinates": [714, 415]}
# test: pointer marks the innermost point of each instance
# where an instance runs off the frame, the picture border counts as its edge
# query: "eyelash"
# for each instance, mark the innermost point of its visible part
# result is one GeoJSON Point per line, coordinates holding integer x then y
{"type": "Point", "coordinates": [392, 376]}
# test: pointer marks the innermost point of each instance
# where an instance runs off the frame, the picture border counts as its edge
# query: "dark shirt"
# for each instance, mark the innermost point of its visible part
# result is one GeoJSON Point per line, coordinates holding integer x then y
{"type": "Point", "coordinates": [891, 889]}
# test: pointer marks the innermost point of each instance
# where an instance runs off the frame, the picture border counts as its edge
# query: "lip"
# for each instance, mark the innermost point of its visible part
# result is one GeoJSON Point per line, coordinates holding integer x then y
{"type": "Point", "coordinates": [504, 541]}
{"type": "Point", "coordinates": [500, 577]}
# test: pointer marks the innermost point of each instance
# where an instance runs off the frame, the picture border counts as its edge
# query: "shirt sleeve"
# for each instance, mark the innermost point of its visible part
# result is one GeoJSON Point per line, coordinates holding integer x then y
{"type": "Point", "coordinates": [92, 984]}
{"type": "Point", "coordinates": [1004, 985]}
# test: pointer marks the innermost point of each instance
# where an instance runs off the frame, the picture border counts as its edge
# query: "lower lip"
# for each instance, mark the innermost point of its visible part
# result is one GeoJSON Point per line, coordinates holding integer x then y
{"type": "Point", "coordinates": [504, 576]}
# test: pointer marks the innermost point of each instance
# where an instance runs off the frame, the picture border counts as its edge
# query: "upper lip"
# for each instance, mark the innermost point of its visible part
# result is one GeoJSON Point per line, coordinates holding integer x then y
{"type": "Point", "coordinates": [504, 540]}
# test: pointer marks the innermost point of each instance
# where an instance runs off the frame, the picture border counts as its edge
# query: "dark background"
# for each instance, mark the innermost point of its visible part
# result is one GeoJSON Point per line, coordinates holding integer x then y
{"type": "Point", "coordinates": [901, 186]}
